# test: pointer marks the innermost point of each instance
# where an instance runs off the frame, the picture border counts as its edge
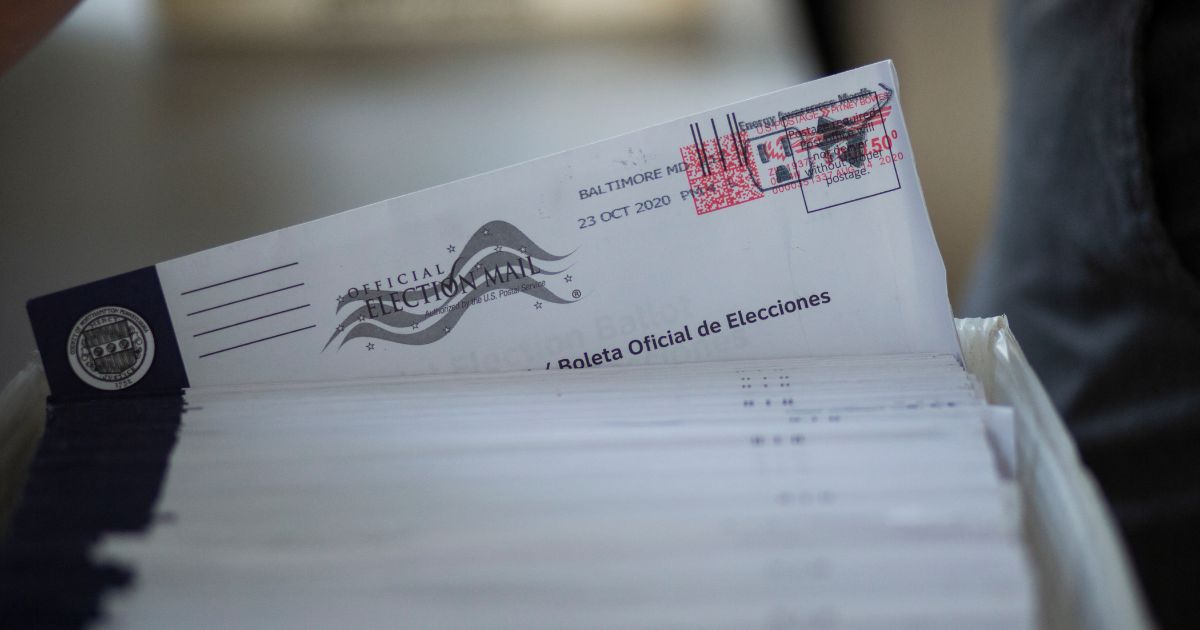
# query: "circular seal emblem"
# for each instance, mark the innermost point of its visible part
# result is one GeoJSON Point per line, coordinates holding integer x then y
{"type": "Point", "coordinates": [110, 348]}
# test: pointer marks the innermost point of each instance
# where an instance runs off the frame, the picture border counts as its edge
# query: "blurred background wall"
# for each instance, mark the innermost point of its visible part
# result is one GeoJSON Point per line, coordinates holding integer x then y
{"type": "Point", "coordinates": [142, 130]}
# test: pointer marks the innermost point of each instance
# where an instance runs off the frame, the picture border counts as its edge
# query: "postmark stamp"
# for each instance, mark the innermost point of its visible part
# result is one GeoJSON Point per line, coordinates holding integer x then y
{"type": "Point", "coordinates": [834, 152]}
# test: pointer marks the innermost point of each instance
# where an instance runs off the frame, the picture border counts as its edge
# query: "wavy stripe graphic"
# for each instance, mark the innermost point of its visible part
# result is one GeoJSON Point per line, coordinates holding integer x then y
{"type": "Point", "coordinates": [508, 267]}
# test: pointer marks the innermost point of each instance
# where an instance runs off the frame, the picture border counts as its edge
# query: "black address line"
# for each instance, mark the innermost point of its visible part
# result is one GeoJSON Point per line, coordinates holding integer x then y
{"type": "Point", "coordinates": [253, 319]}
{"type": "Point", "coordinates": [213, 308]}
{"type": "Point", "coordinates": [250, 343]}
{"type": "Point", "coordinates": [249, 275]}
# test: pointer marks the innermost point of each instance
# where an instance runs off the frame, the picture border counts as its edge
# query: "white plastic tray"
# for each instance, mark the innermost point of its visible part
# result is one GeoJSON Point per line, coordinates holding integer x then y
{"type": "Point", "coordinates": [1085, 579]}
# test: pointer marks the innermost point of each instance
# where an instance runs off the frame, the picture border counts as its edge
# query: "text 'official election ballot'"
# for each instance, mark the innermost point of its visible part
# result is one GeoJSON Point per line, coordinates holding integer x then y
{"type": "Point", "coordinates": [787, 225]}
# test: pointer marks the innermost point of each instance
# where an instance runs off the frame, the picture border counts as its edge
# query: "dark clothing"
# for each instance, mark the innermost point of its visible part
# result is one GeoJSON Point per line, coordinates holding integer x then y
{"type": "Point", "coordinates": [1096, 259]}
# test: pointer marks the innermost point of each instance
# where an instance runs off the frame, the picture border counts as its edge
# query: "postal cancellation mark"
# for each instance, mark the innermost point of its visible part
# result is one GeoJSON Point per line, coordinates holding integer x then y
{"type": "Point", "coordinates": [834, 153]}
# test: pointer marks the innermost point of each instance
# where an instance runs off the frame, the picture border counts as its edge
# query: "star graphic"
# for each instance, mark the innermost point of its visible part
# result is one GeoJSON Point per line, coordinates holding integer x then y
{"type": "Point", "coordinates": [415, 326]}
{"type": "Point", "coordinates": [498, 248]}
{"type": "Point", "coordinates": [523, 249]}
{"type": "Point", "coordinates": [340, 328]}
{"type": "Point", "coordinates": [340, 299]}
{"type": "Point", "coordinates": [568, 278]}
{"type": "Point", "coordinates": [362, 318]}
{"type": "Point", "coordinates": [537, 305]}
{"type": "Point", "coordinates": [447, 329]}
{"type": "Point", "coordinates": [450, 248]}
{"type": "Point", "coordinates": [370, 346]}
{"type": "Point", "coordinates": [486, 232]}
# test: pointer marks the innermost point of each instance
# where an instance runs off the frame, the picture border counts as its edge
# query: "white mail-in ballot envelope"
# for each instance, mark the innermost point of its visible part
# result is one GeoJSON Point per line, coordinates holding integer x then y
{"type": "Point", "coordinates": [789, 224]}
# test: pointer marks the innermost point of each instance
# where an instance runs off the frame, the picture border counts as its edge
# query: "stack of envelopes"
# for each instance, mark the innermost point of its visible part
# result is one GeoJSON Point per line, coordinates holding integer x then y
{"type": "Point", "coordinates": [847, 492]}
{"type": "Point", "coordinates": [704, 375]}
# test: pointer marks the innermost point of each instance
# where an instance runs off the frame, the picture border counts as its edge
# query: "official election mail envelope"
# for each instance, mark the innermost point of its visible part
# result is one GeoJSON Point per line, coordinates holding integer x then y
{"type": "Point", "coordinates": [787, 225]}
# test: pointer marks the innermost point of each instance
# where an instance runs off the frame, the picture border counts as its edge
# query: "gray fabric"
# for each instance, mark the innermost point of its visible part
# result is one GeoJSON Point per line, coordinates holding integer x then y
{"type": "Point", "coordinates": [1094, 255]}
